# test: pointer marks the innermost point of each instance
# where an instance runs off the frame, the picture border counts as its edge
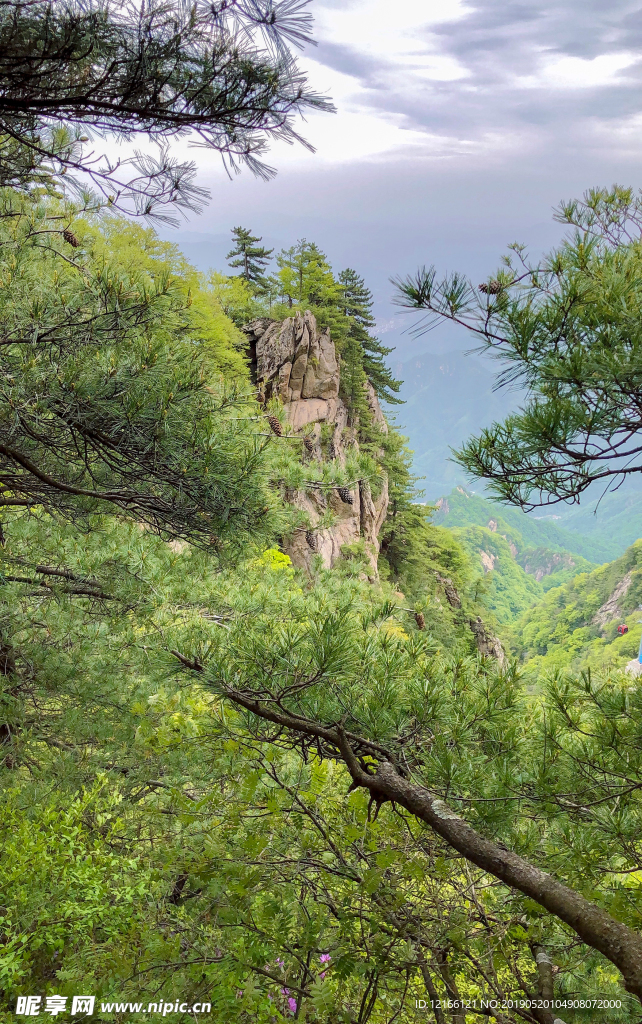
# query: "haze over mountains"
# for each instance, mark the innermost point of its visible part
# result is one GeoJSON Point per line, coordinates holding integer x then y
{"type": "Point", "coordinates": [449, 396]}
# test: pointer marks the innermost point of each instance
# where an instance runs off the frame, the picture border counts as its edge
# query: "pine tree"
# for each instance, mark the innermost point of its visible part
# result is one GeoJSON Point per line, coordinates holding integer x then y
{"type": "Point", "coordinates": [112, 361]}
{"type": "Point", "coordinates": [251, 257]}
{"type": "Point", "coordinates": [567, 329]}
{"type": "Point", "coordinates": [222, 70]}
{"type": "Point", "coordinates": [357, 304]}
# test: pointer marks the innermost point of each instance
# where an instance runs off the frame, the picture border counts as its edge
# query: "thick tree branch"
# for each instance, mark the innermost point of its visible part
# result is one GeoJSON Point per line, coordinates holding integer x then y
{"type": "Point", "coordinates": [615, 940]}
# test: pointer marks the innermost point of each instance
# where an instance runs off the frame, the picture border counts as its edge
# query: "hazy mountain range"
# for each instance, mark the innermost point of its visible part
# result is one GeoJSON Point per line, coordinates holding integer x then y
{"type": "Point", "coordinates": [450, 396]}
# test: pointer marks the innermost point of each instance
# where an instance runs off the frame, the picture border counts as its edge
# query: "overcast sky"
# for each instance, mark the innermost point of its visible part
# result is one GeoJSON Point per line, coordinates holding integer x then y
{"type": "Point", "coordinates": [459, 127]}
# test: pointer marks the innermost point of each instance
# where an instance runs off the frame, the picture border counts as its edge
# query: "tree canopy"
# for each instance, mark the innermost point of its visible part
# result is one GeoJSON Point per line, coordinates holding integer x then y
{"type": "Point", "coordinates": [356, 299]}
{"type": "Point", "coordinates": [112, 393]}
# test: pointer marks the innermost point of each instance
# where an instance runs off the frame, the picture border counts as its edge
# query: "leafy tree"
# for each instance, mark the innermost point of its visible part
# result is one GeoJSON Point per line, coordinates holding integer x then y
{"type": "Point", "coordinates": [111, 396]}
{"type": "Point", "coordinates": [568, 330]}
{"type": "Point", "coordinates": [357, 305]}
{"type": "Point", "coordinates": [76, 71]}
{"type": "Point", "coordinates": [305, 278]}
{"type": "Point", "coordinates": [251, 257]}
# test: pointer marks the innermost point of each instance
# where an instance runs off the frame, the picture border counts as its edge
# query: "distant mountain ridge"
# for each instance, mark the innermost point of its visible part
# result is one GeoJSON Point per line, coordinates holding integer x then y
{"type": "Point", "coordinates": [614, 521]}
{"type": "Point", "coordinates": [447, 398]}
{"type": "Point", "coordinates": [463, 508]}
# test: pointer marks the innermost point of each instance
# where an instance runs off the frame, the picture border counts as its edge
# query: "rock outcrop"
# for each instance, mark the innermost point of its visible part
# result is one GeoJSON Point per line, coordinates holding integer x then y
{"type": "Point", "coordinates": [611, 610]}
{"type": "Point", "coordinates": [298, 364]}
{"type": "Point", "coordinates": [486, 643]}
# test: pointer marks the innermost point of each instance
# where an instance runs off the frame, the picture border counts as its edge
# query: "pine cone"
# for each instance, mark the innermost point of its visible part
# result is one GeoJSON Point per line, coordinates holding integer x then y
{"type": "Point", "coordinates": [420, 620]}
{"type": "Point", "coordinates": [345, 495]}
{"type": "Point", "coordinates": [311, 539]}
{"type": "Point", "coordinates": [332, 451]}
{"type": "Point", "coordinates": [309, 443]}
{"type": "Point", "coordinates": [275, 425]}
{"type": "Point", "coordinates": [70, 238]}
{"type": "Point", "coordinates": [492, 288]}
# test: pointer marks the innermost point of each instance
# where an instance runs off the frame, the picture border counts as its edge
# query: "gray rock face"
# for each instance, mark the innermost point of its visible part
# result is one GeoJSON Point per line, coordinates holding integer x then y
{"type": "Point", "coordinates": [293, 359]}
{"type": "Point", "coordinates": [611, 610]}
{"type": "Point", "coordinates": [487, 644]}
{"type": "Point", "coordinates": [298, 364]}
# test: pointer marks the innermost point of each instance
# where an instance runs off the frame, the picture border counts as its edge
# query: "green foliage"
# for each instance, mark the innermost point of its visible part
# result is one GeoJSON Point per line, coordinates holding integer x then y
{"type": "Point", "coordinates": [236, 298]}
{"type": "Point", "coordinates": [305, 281]}
{"type": "Point", "coordinates": [508, 759]}
{"type": "Point", "coordinates": [507, 590]}
{"type": "Point", "coordinates": [113, 355]}
{"type": "Point", "coordinates": [159, 842]}
{"type": "Point", "coordinates": [419, 557]}
{"type": "Point", "coordinates": [576, 625]}
{"type": "Point", "coordinates": [69, 897]}
{"type": "Point", "coordinates": [172, 787]}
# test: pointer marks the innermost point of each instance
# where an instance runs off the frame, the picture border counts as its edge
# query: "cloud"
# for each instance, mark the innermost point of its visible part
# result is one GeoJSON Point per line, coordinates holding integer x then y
{"type": "Point", "coordinates": [448, 78]}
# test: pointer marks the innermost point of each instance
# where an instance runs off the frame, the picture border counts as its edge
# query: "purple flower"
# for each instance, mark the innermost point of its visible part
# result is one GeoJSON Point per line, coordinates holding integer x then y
{"type": "Point", "coordinates": [279, 963]}
{"type": "Point", "coordinates": [325, 958]}
{"type": "Point", "coordinates": [285, 991]}
{"type": "Point", "coordinates": [292, 1004]}
{"type": "Point", "coordinates": [322, 975]}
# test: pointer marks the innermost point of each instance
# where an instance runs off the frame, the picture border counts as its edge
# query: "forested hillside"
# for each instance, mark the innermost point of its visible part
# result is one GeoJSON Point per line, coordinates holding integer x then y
{"type": "Point", "coordinates": [462, 508]}
{"type": "Point", "coordinates": [518, 558]}
{"type": "Point", "coordinates": [577, 624]}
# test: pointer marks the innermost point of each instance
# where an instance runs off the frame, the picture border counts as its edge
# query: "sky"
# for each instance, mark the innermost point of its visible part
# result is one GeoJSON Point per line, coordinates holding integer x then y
{"type": "Point", "coordinates": [459, 127]}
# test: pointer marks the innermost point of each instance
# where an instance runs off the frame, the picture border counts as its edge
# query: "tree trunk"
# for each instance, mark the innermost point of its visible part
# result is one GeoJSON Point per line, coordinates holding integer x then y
{"type": "Point", "coordinates": [432, 992]}
{"type": "Point", "coordinates": [545, 988]}
{"type": "Point", "coordinates": [616, 941]}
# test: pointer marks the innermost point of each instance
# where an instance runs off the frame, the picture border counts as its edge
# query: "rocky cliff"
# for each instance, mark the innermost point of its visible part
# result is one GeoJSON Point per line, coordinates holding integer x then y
{"type": "Point", "coordinates": [297, 363]}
